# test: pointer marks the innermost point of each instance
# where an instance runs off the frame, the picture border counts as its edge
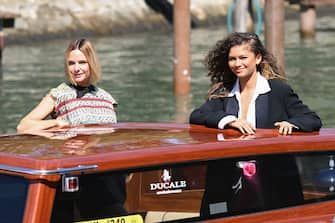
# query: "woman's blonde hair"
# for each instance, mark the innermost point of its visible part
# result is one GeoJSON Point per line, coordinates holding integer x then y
{"type": "Point", "coordinates": [87, 49]}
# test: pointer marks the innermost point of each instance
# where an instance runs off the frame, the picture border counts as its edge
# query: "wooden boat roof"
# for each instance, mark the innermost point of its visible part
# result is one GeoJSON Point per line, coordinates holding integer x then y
{"type": "Point", "coordinates": [135, 145]}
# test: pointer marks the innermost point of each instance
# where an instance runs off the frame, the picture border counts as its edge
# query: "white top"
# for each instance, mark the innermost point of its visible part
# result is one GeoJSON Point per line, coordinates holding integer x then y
{"type": "Point", "coordinates": [262, 87]}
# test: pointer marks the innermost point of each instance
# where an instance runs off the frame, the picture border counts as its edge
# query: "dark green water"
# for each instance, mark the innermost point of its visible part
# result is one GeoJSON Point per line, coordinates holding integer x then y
{"type": "Point", "coordinates": [138, 71]}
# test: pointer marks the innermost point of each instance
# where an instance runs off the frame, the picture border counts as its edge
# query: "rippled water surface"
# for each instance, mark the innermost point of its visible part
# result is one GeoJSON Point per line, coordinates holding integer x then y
{"type": "Point", "coordinates": [138, 71]}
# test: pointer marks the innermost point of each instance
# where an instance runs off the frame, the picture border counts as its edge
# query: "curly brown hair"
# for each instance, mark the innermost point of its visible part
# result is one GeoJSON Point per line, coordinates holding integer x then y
{"type": "Point", "coordinates": [216, 62]}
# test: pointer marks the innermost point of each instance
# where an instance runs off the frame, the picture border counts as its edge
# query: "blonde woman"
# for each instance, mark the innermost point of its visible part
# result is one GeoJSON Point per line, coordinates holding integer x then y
{"type": "Point", "coordinates": [78, 101]}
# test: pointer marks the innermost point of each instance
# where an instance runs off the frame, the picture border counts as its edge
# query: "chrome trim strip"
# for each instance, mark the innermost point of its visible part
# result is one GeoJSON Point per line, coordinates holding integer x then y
{"type": "Point", "coordinates": [47, 172]}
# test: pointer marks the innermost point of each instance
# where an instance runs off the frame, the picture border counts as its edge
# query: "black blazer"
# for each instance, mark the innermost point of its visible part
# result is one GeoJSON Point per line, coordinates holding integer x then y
{"type": "Point", "coordinates": [279, 104]}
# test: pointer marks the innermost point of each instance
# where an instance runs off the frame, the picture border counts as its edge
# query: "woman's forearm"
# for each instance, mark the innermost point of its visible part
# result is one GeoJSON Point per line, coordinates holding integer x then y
{"type": "Point", "coordinates": [28, 125]}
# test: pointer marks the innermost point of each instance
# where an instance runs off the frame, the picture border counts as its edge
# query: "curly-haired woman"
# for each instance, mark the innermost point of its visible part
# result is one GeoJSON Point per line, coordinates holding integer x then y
{"type": "Point", "coordinates": [249, 90]}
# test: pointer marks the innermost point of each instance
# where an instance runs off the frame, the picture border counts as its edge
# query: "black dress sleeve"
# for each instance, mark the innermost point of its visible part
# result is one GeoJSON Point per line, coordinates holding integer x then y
{"type": "Point", "coordinates": [210, 113]}
{"type": "Point", "coordinates": [298, 113]}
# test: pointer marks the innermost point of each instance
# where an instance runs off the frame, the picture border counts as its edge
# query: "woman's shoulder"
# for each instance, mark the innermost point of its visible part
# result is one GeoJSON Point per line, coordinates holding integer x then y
{"type": "Point", "coordinates": [277, 84]}
{"type": "Point", "coordinates": [60, 89]}
{"type": "Point", "coordinates": [105, 94]}
{"type": "Point", "coordinates": [62, 86]}
{"type": "Point", "coordinates": [280, 88]}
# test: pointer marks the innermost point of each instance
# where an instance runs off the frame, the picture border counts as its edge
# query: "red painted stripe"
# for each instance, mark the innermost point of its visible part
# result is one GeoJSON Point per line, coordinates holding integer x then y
{"type": "Point", "coordinates": [80, 99]}
{"type": "Point", "coordinates": [86, 106]}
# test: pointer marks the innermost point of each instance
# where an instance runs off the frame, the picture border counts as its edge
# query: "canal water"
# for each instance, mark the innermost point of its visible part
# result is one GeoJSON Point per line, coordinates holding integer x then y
{"type": "Point", "coordinates": [138, 72]}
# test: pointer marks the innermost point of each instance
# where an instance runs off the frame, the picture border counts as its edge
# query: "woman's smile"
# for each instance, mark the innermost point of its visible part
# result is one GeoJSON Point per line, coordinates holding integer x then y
{"type": "Point", "coordinates": [242, 61]}
{"type": "Point", "coordinates": [79, 68]}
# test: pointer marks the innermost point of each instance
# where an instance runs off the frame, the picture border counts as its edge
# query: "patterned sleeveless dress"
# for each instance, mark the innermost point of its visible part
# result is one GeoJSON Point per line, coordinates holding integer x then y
{"type": "Point", "coordinates": [91, 105]}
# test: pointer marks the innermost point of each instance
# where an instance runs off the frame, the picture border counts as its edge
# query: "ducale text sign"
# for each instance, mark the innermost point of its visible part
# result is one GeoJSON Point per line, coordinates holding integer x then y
{"type": "Point", "coordinates": [167, 185]}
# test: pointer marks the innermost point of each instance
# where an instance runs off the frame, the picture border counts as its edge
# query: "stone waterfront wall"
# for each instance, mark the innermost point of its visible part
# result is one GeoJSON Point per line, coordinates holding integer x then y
{"type": "Point", "coordinates": [43, 18]}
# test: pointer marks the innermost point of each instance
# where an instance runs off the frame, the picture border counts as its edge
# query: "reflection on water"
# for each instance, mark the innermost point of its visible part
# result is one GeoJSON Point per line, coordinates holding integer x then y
{"type": "Point", "coordinates": [138, 71]}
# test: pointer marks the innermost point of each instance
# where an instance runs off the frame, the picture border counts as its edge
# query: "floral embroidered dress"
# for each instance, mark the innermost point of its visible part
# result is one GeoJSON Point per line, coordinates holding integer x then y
{"type": "Point", "coordinates": [77, 105]}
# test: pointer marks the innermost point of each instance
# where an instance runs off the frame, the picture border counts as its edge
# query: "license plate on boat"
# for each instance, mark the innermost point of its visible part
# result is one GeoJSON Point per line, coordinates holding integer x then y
{"type": "Point", "coordinates": [123, 219]}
